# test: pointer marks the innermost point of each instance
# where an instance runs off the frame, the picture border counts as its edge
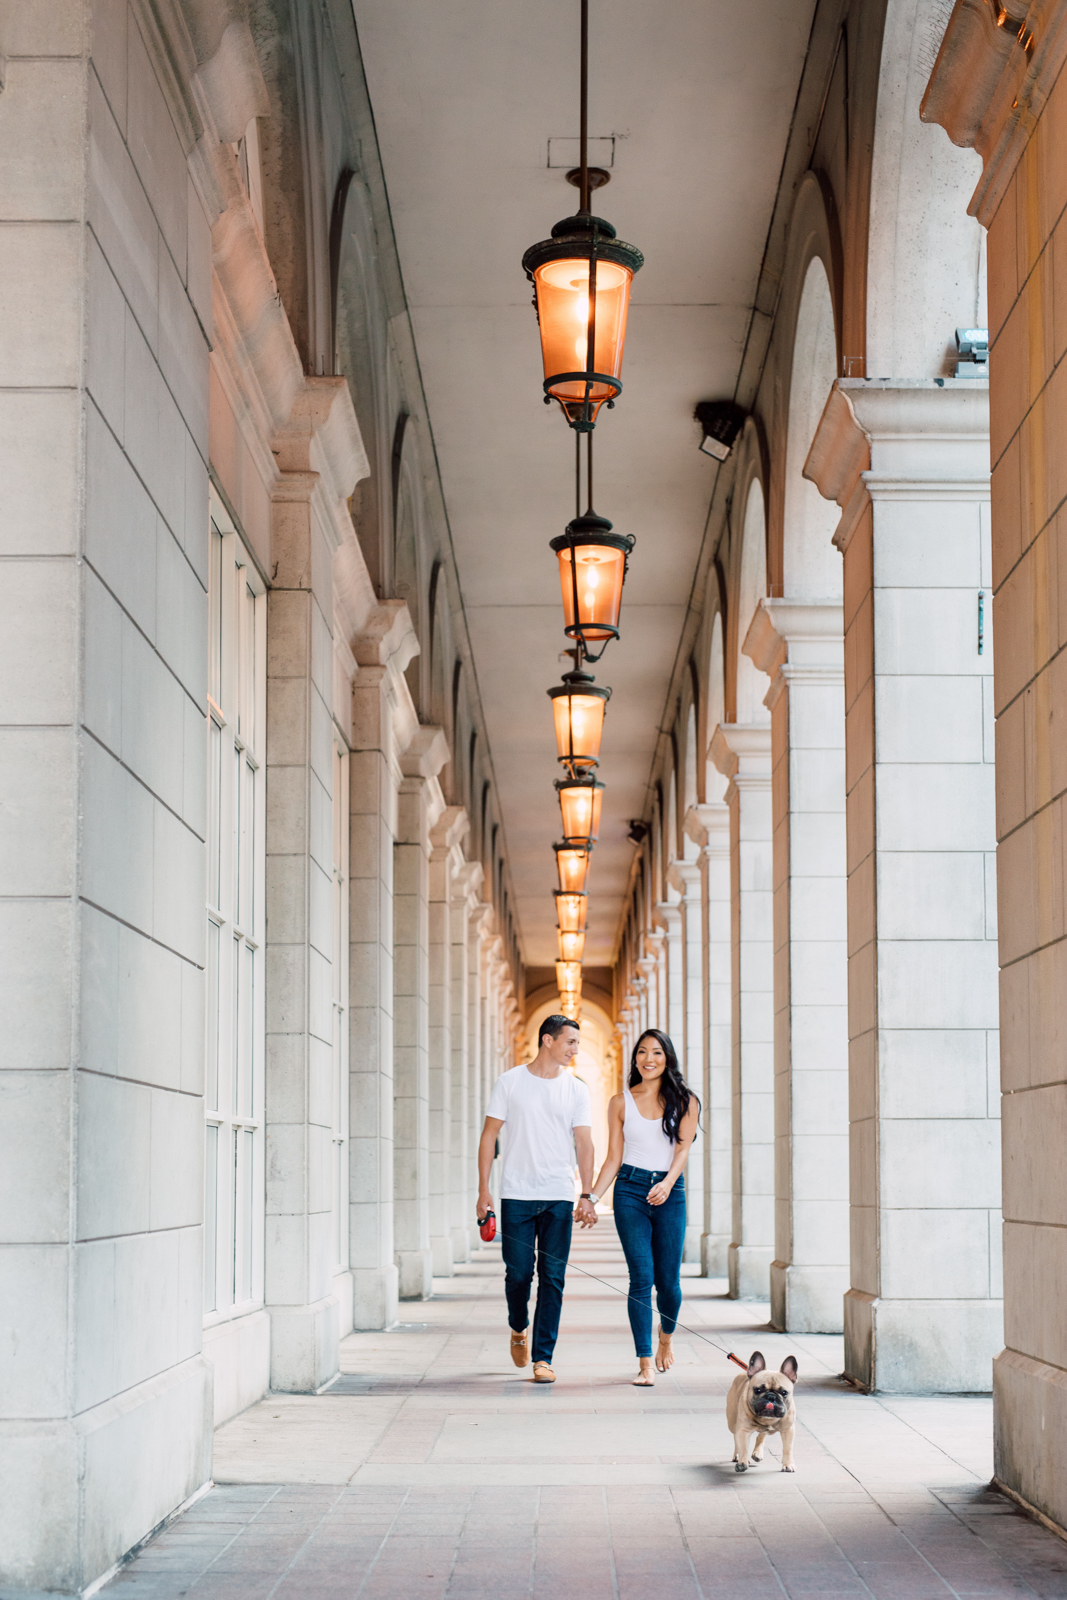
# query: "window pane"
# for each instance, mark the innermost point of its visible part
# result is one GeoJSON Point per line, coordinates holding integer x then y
{"type": "Point", "coordinates": [235, 1198]}
{"type": "Point", "coordinates": [214, 814]}
{"type": "Point", "coordinates": [246, 909]}
{"type": "Point", "coordinates": [245, 1024]}
{"type": "Point", "coordinates": [245, 1197]}
{"type": "Point", "coordinates": [211, 1217]}
{"type": "Point", "coordinates": [211, 1064]}
{"type": "Point", "coordinates": [215, 612]}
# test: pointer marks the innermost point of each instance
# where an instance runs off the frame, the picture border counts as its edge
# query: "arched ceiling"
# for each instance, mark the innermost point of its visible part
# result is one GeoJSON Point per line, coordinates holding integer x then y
{"type": "Point", "coordinates": [698, 97]}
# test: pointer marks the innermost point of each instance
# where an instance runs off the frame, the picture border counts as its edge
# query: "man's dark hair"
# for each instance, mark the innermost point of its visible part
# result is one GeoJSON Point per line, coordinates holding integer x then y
{"type": "Point", "coordinates": [554, 1026]}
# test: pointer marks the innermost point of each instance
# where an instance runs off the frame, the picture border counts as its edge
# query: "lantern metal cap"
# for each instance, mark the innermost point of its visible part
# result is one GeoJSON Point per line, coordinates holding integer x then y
{"type": "Point", "coordinates": [578, 682]}
{"type": "Point", "coordinates": [585, 780]}
{"type": "Point", "coordinates": [590, 528]}
{"type": "Point", "coordinates": [579, 237]}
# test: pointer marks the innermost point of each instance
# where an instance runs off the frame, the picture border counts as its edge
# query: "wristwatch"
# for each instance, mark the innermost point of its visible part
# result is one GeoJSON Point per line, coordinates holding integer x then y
{"type": "Point", "coordinates": [592, 1198]}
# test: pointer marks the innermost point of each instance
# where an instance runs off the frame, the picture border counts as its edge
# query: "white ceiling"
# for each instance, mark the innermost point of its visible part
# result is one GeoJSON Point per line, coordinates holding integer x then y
{"type": "Point", "coordinates": [466, 95]}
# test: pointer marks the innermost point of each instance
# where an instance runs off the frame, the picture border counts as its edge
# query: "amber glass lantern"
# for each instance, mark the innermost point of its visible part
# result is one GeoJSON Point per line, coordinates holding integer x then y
{"type": "Point", "coordinates": [580, 800]}
{"type": "Point", "coordinates": [581, 278]}
{"type": "Point", "coordinates": [592, 566]}
{"type": "Point", "coordinates": [571, 911]}
{"type": "Point", "coordinates": [571, 946]}
{"type": "Point", "coordinates": [578, 707]}
{"type": "Point", "coordinates": [568, 975]}
{"type": "Point", "coordinates": [572, 864]}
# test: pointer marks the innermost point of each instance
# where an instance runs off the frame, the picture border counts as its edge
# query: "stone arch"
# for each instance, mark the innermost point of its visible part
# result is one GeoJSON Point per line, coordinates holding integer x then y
{"type": "Point", "coordinates": [714, 782]}
{"type": "Point", "coordinates": [751, 683]}
{"type": "Point", "coordinates": [811, 566]}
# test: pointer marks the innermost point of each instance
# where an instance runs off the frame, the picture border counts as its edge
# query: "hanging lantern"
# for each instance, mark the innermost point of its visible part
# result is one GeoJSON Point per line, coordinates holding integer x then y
{"type": "Point", "coordinates": [571, 946]}
{"type": "Point", "coordinates": [568, 975]}
{"type": "Point", "coordinates": [580, 800]}
{"type": "Point", "coordinates": [578, 707]}
{"type": "Point", "coordinates": [572, 864]}
{"type": "Point", "coordinates": [571, 910]}
{"type": "Point", "coordinates": [582, 277]}
{"type": "Point", "coordinates": [592, 567]}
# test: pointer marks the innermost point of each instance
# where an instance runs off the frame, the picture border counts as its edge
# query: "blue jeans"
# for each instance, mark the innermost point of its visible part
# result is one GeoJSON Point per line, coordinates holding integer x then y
{"type": "Point", "coordinates": [653, 1238]}
{"type": "Point", "coordinates": [544, 1225]}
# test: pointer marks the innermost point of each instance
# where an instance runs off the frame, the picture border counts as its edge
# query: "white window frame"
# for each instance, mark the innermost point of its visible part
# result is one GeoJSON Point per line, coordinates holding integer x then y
{"type": "Point", "coordinates": [236, 705]}
{"type": "Point", "coordinates": [339, 1097]}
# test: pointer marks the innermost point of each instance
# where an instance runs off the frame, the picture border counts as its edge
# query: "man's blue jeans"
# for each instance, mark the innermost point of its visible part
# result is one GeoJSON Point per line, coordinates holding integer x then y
{"type": "Point", "coordinates": [536, 1230]}
{"type": "Point", "coordinates": [652, 1238]}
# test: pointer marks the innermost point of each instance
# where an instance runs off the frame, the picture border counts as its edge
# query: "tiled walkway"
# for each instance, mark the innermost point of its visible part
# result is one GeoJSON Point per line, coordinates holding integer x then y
{"type": "Point", "coordinates": [433, 1469]}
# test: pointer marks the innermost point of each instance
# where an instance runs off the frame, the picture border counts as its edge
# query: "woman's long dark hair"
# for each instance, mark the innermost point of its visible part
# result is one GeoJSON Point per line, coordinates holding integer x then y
{"type": "Point", "coordinates": [674, 1092]}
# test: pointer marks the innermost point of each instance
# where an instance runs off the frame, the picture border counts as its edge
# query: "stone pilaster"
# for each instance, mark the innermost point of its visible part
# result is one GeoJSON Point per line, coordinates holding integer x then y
{"type": "Point", "coordinates": [799, 645]}
{"type": "Point", "coordinates": [445, 861]}
{"type": "Point", "coordinates": [419, 806]}
{"type": "Point", "coordinates": [909, 464]}
{"type": "Point", "coordinates": [742, 753]}
{"type": "Point", "coordinates": [686, 1009]}
{"type": "Point", "coordinates": [709, 827]}
{"type": "Point", "coordinates": [466, 880]}
{"type": "Point", "coordinates": [383, 724]}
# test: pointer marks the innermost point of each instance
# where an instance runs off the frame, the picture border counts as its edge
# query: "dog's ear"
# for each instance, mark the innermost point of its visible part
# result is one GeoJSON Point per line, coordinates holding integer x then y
{"type": "Point", "coordinates": [756, 1364]}
{"type": "Point", "coordinates": [789, 1368]}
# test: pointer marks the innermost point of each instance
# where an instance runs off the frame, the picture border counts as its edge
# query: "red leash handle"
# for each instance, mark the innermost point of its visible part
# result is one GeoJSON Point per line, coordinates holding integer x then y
{"type": "Point", "coordinates": [737, 1361]}
{"type": "Point", "coordinates": [487, 1226]}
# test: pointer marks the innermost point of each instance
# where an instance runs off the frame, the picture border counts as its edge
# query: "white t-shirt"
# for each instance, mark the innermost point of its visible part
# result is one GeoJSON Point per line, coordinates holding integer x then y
{"type": "Point", "coordinates": [539, 1117]}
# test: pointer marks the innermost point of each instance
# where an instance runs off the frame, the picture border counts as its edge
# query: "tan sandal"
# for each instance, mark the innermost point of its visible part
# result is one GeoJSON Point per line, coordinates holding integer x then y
{"type": "Point", "coordinates": [665, 1353]}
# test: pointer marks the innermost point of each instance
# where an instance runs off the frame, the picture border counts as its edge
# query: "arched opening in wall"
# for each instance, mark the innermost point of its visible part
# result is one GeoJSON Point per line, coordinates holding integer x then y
{"type": "Point", "coordinates": [811, 566]}
{"type": "Point", "coordinates": [690, 850]}
{"type": "Point", "coordinates": [752, 684]}
{"type": "Point", "coordinates": [714, 781]}
{"type": "Point", "coordinates": [406, 583]}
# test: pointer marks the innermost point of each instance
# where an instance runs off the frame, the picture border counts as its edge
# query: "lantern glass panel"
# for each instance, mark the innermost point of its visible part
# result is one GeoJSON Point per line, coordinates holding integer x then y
{"type": "Point", "coordinates": [579, 720]}
{"type": "Point", "coordinates": [568, 974]}
{"type": "Point", "coordinates": [562, 288]}
{"type": "Point", "coordinates": [571, 946]}
{"type": "Point", "coordinates": [572, 865]}
{"type": "Point", "coordinates": [600, 570]}
{"type": "Point", "coordinates": [571, 912]}
{"type": "Point", "coordinates": [580, 804]}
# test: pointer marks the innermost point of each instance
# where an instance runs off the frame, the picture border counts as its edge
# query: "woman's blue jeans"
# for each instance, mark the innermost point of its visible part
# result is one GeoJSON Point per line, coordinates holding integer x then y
{"type": "Point", "coordinates": [653, 1238]}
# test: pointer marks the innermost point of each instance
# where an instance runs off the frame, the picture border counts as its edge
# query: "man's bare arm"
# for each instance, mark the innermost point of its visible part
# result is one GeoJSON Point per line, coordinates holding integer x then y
{"type": "Point", "coordinates": [486, 1152]}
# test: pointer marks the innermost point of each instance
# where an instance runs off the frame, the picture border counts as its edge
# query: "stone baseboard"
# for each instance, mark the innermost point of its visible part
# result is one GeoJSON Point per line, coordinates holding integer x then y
{"type": "Point", "coordinates": [239, 1352]}
{"type": "Point", "coordinates": [1030, 1435]}
{"type": "Point", "coordinates": [304, 1345]}
{"type": "Point", "coordinates": [461, 1244]}
{"type": "Point", "coordinates": [76, 1495]}
{"type": "Point", "coordinates": [416, 1274]}
{"type": "Point", "coordinates": [444, 1263]}
{"type": "Point", "coordinates": [807, 1299]}
{"type": "Point", "coordinates": [713, 1255]}
{"type": "Point", "coordinates": [922, 1346]}
{"type": "Point", "coordinates": [375, 1292]}
{"type": "Point", "coordinates": [749, 1268]}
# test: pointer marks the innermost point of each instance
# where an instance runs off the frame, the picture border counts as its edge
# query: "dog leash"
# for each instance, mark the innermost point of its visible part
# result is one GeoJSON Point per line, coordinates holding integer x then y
{"type": "Point", "coordinates": [489, 1237]}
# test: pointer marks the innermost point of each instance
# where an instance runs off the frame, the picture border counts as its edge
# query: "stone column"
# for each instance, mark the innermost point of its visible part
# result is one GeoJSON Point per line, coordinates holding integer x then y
{"type": "Point", "coordinates": [742, 753]}
{"type": "Point", "coordinates": [909, 464]}
{"type": "Point", "coordinates": [383, 723]}
{"type": "Point", "coordinates": [466, 879]}
{"type": "Point", "coordinates": [799, 645]}
{"type": "Point", "coordinates": [298, 1249]}
{"type": "Point", "coordinates": [686, 950]}
{"type": "Point", "coordinates": [445, 1026]}
{"type": "Point", "coordinates": [419, 806]}
{"type": "Point", "coordinates": [709, 826]}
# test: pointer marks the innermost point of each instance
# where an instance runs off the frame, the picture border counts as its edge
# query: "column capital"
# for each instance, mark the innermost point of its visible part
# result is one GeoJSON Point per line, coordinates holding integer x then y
{"type": "Point", "coordinates": [447, 834]}
{"type": "Point", "coordinates": [685, 877]}
{"type": "Point", "coordinates": [916, 440]}
{"type": "Point", "coordinates": [709, 825]}
{"type": "Point", "coordinates": [742, 752]}
{"type": "Point", "coordinates": [670, 913]}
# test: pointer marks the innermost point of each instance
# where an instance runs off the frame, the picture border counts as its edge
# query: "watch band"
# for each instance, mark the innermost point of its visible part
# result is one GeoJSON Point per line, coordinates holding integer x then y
{"type": "Point", "coordinates": [586, 1196]}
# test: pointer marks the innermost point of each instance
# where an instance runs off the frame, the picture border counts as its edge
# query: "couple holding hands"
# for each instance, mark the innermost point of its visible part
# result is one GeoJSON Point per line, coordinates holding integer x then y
{"type": "Point", "coordinates": [544, 1112]}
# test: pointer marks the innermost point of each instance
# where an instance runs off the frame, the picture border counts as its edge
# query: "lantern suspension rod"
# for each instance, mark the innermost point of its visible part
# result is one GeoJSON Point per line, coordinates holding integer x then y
{"type": "Point", "coordinates": [589, 471]}
{"type": "Point", "coordinates": [584, 109]}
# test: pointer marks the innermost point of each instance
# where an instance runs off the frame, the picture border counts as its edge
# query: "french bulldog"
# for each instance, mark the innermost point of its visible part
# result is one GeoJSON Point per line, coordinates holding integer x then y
{"type": "Point", "coordinates": [761, 1403]}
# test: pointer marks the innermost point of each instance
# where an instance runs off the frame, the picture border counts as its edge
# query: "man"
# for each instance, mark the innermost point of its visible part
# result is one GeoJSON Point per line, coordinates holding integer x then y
{"type": "Point", "coordinates": [545, 1112]}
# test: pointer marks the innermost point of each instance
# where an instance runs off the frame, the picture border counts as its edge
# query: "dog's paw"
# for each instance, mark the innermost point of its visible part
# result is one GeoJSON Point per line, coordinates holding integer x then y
{"type": "Point", "coordinates": [789, 1469]}
{"type": "Point", "coordinates": [739, 1466]}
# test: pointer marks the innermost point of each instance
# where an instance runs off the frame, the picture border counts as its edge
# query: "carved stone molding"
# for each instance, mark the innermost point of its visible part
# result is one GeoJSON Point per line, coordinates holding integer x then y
{"type": "Point", "coordinates": [994, 72]}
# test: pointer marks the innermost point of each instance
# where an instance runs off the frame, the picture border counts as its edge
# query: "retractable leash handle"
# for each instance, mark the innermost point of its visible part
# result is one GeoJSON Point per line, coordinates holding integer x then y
{"type": "Point", "coordinates": [487, 1226]}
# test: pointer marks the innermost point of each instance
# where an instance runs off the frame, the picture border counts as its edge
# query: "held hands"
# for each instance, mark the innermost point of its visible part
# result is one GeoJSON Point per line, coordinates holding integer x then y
{"type": "Point", "coordinates": [658, 1193]}
{"type": "Point", "coordinates": [585, 1213]}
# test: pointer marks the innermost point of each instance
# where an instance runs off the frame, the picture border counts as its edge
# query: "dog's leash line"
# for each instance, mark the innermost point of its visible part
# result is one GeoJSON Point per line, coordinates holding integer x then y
{"type": "Point", "coordinates": [627, 1296]}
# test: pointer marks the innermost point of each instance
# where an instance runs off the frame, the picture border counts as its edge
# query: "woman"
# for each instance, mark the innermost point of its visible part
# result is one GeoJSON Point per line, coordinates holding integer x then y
{"type": "Point", "coordinates": [652, 1125]}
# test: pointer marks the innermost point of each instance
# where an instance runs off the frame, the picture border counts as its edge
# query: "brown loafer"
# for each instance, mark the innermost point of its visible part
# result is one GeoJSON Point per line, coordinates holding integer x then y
{"type": "Point", "coordinates": [520, 1348]}
{"type": "Point", "coordinates": [542, 1373]}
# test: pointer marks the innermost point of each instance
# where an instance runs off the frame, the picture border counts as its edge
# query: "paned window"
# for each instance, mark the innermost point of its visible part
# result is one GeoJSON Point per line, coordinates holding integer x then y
{"type": "Point", "coordinates": [340, 1006]}
{"type": "Point", "coordinates": [233, 1089]}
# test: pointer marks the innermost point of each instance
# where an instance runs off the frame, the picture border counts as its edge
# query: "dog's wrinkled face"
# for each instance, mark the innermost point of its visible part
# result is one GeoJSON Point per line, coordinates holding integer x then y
{"type": "Point", "coordinates": [769, 1395]}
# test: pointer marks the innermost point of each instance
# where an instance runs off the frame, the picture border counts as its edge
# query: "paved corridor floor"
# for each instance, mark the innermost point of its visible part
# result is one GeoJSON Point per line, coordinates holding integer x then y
{"type": "Point", "coordinates": [432, 1468]}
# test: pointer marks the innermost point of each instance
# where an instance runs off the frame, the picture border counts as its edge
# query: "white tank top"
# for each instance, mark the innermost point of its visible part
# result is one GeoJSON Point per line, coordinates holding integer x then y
{"type": "Point", "coordinates": [645, 1144]}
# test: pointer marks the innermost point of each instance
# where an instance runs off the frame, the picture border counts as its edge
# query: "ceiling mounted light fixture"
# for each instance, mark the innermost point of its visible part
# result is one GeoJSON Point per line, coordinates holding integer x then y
{"type": "Point", "coordinates": [592, 569]}
{"type": "Point", "coordinates": [572, 864]}
{"type": "Point", "coordinates": [569, 975]}
{"type": "Point", "coordinates": [571, 910]}
{"type": "Point", "coordinates": [580, 800]}
{"type": "Point", "coordinates": [581, 278]}
{"type": "Point", "coordinates": [720, 422]}
{"type": "Point", "coordinates": [571, 946]}
{"type": "Point", "coordinates": [578, 707]}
